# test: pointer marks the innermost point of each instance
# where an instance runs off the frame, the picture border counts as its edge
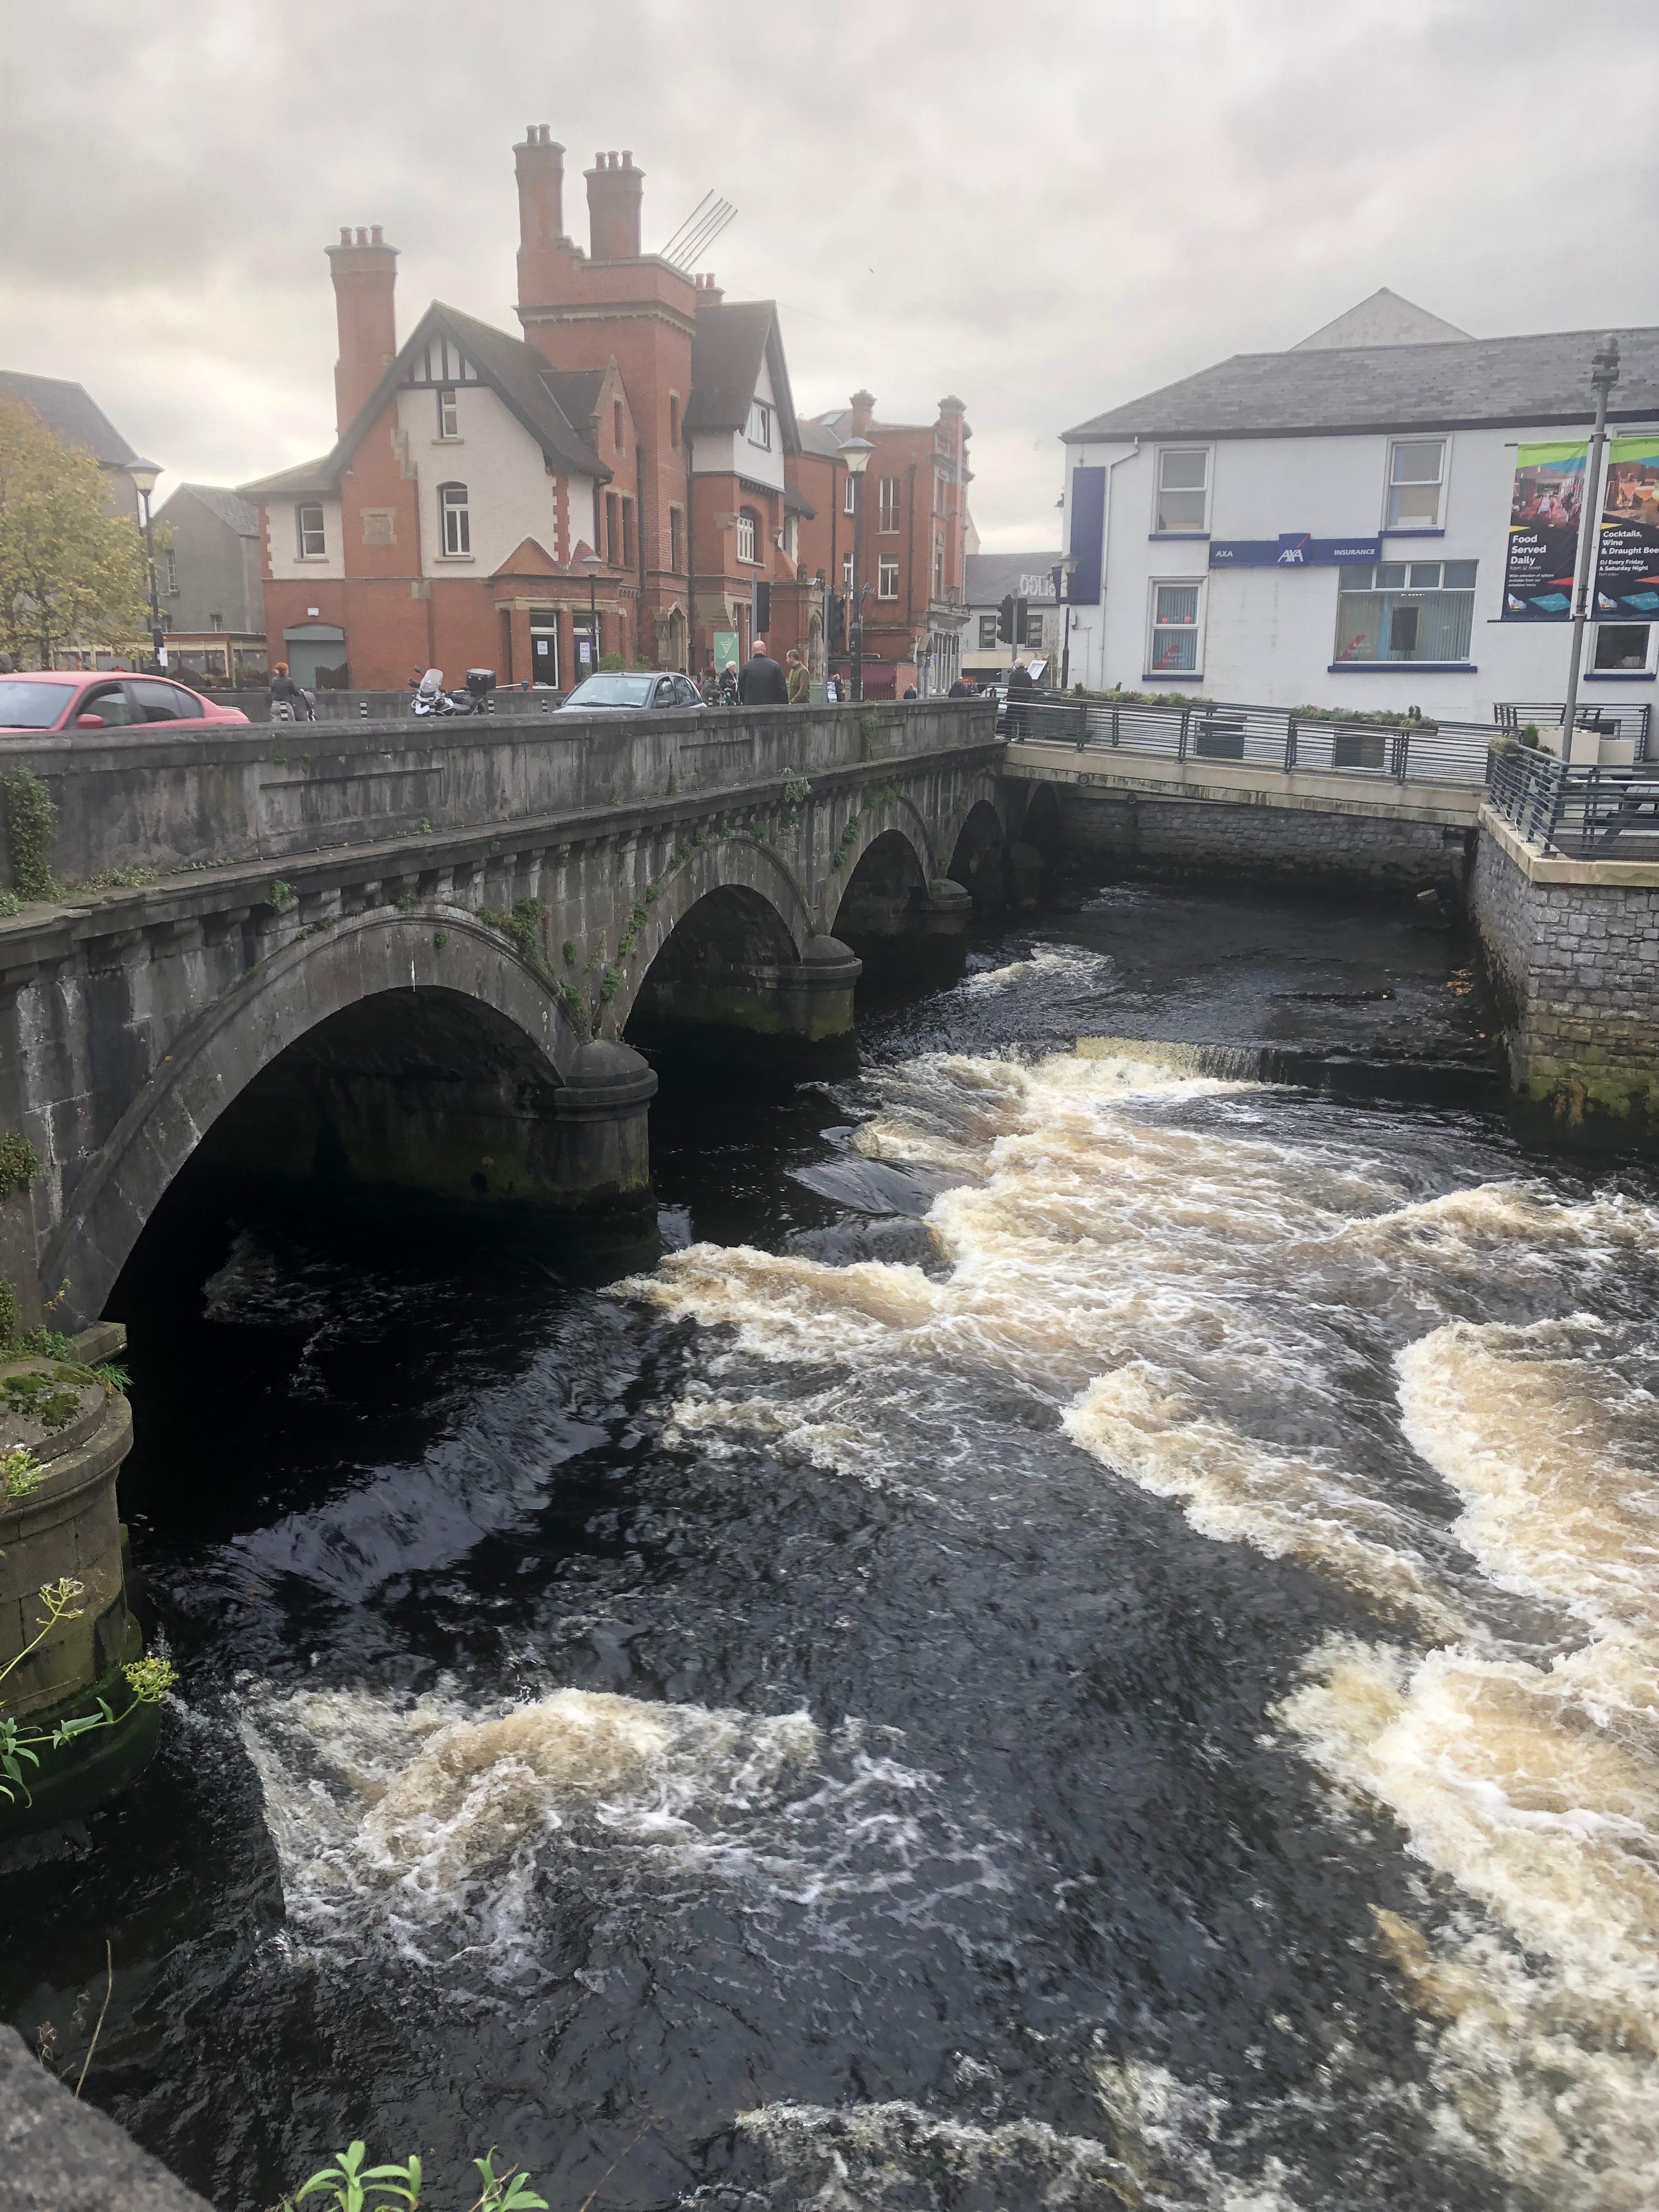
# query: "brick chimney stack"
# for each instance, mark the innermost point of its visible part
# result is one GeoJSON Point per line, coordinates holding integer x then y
{"type": "Point", "coordinates": [615, 189]}
{"type": "Point", "coordinates": [864, 413]}
{"type": "Point", "coordinates": [365, 273]}
{"type": "Point", "coordinates": [708, 292]}
{"type": "Point", "coordinates": [539, 163]}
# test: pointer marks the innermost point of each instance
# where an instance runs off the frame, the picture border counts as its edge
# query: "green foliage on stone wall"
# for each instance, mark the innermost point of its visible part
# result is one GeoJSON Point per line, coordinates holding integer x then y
{"type": "Point", "coordinates": [29, 815]}
{"type": "Point", "coordinates": [522, 928]}
{"type": "Point", "coordinates": [18, 1165]}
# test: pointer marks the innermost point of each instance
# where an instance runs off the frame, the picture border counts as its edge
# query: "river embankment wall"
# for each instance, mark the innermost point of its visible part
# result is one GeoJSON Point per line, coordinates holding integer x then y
{"type": "Point", "coordinates": [1571, 949]}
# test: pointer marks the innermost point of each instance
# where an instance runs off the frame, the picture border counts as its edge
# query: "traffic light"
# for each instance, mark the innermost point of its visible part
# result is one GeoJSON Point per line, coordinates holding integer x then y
{"type": "Point", "coordinates": [1006, 616]}
{"type": "Point", "coordinates": [1022, 622]}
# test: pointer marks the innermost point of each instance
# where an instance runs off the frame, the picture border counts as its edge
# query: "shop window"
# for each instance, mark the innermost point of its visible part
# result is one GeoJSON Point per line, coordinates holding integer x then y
{"type": "Point", "coordinates": [1621, 648]}
{"type": "Point", "coordinates": [1174, 646]}
{"type": "Point", "coordinates": [1405, 611]}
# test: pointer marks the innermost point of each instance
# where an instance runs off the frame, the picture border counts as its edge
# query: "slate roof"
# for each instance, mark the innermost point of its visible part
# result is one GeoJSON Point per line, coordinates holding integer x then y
{"type": "Point", "coordinates": [1383, 320]}
{"type": "Point", "coordinates": [990, 578]}
{"type": "Point", "coordinates": [817, 437]}
{"type": "Point", "coordinates": [732, 342]}
{"type": "Point", "coordinates": [515, 371]}
{"type": "Point", "coordinates": [1469, 383]}
{"type": "Point", "coordinates": [230, 507]}
{"type": "Point", "coordinates": [72, 416]}
{"type": "Point", "coordinates": [577, 391]}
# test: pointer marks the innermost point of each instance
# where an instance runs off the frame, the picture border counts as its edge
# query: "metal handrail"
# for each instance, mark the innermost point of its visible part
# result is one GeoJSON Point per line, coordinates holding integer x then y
{"type": "Point", "coordinates": [1612, 718]}
{"type": "Point", "coordinates": [1579, 812]}
{"type": "Point", "coordinates": [1271, 738]}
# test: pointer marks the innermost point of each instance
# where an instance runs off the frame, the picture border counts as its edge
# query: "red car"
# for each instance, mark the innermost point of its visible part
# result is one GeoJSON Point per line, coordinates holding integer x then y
{"type": "Point", "coordinates": [59, 699]}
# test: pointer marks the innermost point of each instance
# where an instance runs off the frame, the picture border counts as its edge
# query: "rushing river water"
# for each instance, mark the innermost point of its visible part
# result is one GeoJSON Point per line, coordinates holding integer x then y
{"type": "Point", "coordinates": [1090, 1638]}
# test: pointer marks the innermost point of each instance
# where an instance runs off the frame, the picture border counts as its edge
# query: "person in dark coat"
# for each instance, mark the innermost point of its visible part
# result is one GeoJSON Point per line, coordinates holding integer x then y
{"type": "Point", "coordinates": [761, 682]}
{"type": "Point", "coordinates": [962, 688]}
{"type": "Point", "coordinates": [1020, 688]}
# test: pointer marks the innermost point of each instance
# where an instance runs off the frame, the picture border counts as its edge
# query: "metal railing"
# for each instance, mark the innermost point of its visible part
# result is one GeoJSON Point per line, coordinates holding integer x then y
{"type": "Point", "coordinates": [1610, 719]}
{"type": "Point", "coordinates": [1583, 812]}
{"type": "Point", "coordinates": [1273, 738]}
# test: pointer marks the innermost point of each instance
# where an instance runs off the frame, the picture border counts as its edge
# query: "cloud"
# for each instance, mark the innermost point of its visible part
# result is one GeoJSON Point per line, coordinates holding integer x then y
{"type": "Point", "coordinates": [1046, 209]}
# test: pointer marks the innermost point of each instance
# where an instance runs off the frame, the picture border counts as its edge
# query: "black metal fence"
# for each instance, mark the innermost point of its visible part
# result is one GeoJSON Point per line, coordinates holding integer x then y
{"type": "Point", "coordinates": [1607, 718]}
{"type": "Point", "coordinates": [1582, 813]}
{"type": "Point", "coordinates": [1263, 736]}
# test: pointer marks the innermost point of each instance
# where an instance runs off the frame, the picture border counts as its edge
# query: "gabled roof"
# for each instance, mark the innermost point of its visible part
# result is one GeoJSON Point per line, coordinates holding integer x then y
{"type": "Point", "coordinates": [515, 372]}
{"type": "Point", "coordinates": [732, 342]}
{"type": "Point", "coordinates": [529, 557]}
{"type": "Point", "coordinates": [990, 578]}
{"type": "Point", "coordinates": [230, 507]}
{"type": "Point", "coordinates": [817, 438]}
{"type": "Point", "coordinates": [577, 391]}
{"type": "Point", "coordinates": [796, 502]}
{"type": "Point", "coordinates": [1468, 384]}
{"type": "Point", "coordinates": [1383, 319]}
{"type": "Point", "coordinates": [72, 416]}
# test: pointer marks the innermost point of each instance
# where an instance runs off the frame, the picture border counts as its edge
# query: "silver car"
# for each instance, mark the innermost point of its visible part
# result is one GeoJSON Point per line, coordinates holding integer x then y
{"type": "Point", "coordinates": [619, 693]}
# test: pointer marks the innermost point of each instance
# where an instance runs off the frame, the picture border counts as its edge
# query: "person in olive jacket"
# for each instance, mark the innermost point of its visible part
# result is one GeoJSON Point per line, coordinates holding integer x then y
{"type": "Point", "coordinates": [800, 684]}
{"type": "Point", "coordinates": [760, 682]}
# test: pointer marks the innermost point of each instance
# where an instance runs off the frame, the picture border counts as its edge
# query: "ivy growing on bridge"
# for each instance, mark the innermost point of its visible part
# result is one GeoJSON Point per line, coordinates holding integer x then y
{"type": "Point", "coordinates": [29, 816]}
{"type": "Point", "coordinates": [18, 1165]}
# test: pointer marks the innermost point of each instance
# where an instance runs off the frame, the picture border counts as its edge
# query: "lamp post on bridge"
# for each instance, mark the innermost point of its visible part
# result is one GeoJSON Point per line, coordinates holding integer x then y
{"type": "Point", "coordinates": [856, 453]}
{"type": "Point", "coordinates": [1604, 374]}
{"type": "Point", "coordinates": [144, 483]}
{"type": "Point", "coordinates": [592, 563]}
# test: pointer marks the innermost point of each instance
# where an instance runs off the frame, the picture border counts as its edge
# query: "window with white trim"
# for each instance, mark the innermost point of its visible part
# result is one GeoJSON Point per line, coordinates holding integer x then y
{"type": "Point", "coordinates": [1176, 629]}
{"type": "Point", "coordinates": [449, 415]}
{"type": "Point", "coordinates": [1183, 488]}
{"type": "Point", "coordinates": [760, 424]}
{"type": "Point", "coordinates": [1405, 611]}
{"type": "Point", "coordinates": [455, 520]}
{"type": "Point", "coordinates": [309, 541]}
{"type": "Point", "coordinates": [748, 534]}
{"type": "Point", "coordinates": [847, 574]}
{"type": "Point", "coordinates": [887, 515]}
{"type": "Point", "coordinates": [1417, 477]}
{"type": "Point", "coordinates": [849, 497]}
{"type": "Point", "coordinates": [1621, 648]}
{"type": "Point", "coordinates": [887, 578]}
{"type": "Point", "coordinates": [987, 633]}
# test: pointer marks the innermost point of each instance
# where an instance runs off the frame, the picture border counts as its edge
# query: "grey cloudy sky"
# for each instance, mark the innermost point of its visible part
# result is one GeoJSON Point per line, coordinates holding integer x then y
{"type": "Point", "coordinates": [1046, 208]}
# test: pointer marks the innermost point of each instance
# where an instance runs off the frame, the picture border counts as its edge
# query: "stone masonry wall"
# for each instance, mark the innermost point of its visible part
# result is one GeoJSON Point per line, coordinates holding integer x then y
{"type": "Point", "coordinates": [1574, 968]}
{"type": "Point", "coordinates": [1268, 844]}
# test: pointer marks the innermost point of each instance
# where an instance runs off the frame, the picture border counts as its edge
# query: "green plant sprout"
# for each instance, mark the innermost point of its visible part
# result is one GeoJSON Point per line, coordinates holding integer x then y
{"type": "Point", "coordinates": [349, 2185]}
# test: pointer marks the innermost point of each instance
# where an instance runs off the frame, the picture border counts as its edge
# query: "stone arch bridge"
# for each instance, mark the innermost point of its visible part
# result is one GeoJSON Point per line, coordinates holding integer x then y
{"type": "Point", "coordinates": [420, 959]}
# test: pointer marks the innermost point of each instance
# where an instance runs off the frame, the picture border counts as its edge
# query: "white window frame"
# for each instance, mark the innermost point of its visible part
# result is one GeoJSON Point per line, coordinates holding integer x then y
{"type": "Point", "coordinates": [1389, 487]}
{"type": "Point", "coordinates": [846, 575]}
{"type": "Point", "coordinates": [304, 534]}
{"type": "Point", "coordinates": [887, 568]}
{"type": "Point", "coordinates": [748, 535]}
{"type": "Point", "coordinates": [455, 522]}
{"type": "Point", "coordinates": [887, 506]}
{"type": "Point", "coordinates": [849, 498]}
{"type": "Point", "coordinates": [1150, 668]}
{"type": "Point", "coordinates": [1603, 674]}
{"type": "Point", "coordinates": [987, 644]}
{"type": "Point", "coordinates": [1200, 529]}
{"type": "Point", "coordinates": [760, 425]}
{"type": "Point", "coordinates": [449, 414]}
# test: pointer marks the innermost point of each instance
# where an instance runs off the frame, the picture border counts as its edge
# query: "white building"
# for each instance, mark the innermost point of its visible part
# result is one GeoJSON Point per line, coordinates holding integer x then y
{"type": "Point", "coordinates": [1328, 526]}
{"type": "Point", "coordinates": [991, 578]}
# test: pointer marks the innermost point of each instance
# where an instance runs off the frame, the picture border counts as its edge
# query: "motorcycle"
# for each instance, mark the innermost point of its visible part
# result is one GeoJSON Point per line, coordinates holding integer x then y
{"type": "Point", "coordinates": [431, 698]}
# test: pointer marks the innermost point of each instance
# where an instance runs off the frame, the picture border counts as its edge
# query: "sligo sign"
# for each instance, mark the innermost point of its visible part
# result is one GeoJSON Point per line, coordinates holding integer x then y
{"type": "Point", "coordinates": [1291, 549]}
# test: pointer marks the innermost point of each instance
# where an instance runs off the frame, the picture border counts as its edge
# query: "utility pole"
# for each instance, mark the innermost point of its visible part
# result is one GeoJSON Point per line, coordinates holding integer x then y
{"type": "Point", "coordinates": [1604, 374]}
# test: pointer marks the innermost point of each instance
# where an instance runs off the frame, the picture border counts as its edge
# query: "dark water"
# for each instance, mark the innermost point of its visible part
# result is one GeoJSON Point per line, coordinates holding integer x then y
{"type": "Point", "coordinates": [815, 1733]}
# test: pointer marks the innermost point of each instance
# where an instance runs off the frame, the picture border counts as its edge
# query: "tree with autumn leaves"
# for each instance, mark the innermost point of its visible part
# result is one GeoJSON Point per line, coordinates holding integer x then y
{"type": "Point", "coordinates": [70, 575]}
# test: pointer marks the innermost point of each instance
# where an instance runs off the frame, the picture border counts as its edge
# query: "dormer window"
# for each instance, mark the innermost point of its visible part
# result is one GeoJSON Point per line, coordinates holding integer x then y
{"type": "Point", "coordinates": [760, 424]}
{"type": "Point", "coordinates": [449, 415]}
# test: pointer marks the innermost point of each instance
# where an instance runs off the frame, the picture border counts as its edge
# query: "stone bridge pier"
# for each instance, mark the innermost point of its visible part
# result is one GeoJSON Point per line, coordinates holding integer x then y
{"type": "Point", "coordinates": [400, 962]}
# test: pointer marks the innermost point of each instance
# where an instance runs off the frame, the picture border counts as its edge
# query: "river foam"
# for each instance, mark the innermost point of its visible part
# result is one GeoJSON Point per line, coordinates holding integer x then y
{"type": "Point", "coordinates": [1433, 1397]}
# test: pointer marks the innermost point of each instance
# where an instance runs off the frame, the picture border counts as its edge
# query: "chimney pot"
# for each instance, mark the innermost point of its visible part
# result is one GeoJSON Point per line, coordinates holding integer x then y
{"type": "Point", "coordinates": [346, 234]}
{"type": "Point", "coordinates": [374, 237]}
{"type": "Point", "coordinates": [598, 161]}
{"type": "Point", "coordinates": [628, 159]}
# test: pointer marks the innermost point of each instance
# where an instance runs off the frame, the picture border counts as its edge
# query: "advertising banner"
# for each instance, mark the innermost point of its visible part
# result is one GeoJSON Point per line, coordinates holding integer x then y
{"type": "Point", "coordinates": [1545, 510]}
{"type": "Point", "coordinates": [1292, 549]}
{"type": "Point", "coordinates": [1627, 543]}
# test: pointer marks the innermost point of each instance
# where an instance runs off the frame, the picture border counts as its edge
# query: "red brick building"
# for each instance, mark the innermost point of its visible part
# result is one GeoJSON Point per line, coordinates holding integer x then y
{"type": "Point", "coordinates": [913, 530]}
{"type": "Point", "coordinates": [628, 477]}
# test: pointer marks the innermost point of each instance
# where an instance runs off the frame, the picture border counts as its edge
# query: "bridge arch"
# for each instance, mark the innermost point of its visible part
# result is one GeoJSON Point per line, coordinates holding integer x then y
{"type": "Point", "coordinates": [778, 914]}
{"type": "Point", "coordinates": [437, 963]}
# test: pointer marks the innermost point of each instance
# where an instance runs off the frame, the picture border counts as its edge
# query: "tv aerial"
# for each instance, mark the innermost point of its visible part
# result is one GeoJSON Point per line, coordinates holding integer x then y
{"type": "Point", "coordinates": [698, 232]}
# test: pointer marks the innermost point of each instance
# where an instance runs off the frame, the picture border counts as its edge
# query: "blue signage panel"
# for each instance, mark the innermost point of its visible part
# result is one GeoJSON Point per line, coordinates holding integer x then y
{"type": "Point", "coordinates": [1088, 532]}
{"type": "Point", "coordinates": [1292, 549]}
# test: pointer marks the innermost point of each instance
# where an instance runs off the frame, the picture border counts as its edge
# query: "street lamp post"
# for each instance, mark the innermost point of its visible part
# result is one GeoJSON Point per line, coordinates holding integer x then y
{"type": "Point", "coordinates": [856, 453]}
{"type": "Point", "coordinates": [144, 483]}
{"type": "Point", "coordinates": [1604, 374]}
{"type": "Point", "coordinates": [1066, 564]}
{"type": "Point", "coordinates": [592, 563]}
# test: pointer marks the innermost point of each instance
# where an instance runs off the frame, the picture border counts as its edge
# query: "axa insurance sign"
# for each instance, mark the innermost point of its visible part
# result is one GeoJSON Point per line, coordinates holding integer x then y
{"type": "Point", "coordinates": [1292, 549]}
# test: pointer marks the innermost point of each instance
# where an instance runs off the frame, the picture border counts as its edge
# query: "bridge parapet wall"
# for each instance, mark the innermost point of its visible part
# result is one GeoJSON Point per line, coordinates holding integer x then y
{"type": "Point", "coordinates": [169, 803]}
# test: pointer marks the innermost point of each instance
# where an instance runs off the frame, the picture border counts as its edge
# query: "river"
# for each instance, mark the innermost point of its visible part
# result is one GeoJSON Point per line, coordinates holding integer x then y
{"type": "Point", "coordinates": [1088, 1637]}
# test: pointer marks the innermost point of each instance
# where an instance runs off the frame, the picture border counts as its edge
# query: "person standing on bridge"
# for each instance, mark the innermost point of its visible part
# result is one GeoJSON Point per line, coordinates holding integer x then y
{"type": "Point", "coordinates": [1020, 688]}
{"type": "Point", "coordinates": [761, 682]}
{"type": "Point", "coordinates": [800, 684]}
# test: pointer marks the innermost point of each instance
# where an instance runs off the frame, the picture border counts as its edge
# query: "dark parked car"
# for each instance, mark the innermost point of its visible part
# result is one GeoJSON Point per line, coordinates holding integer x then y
{"type": "Point", "coordinates": [95, 699]}
{"type": "Point", "coordinates": [622, 693]}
